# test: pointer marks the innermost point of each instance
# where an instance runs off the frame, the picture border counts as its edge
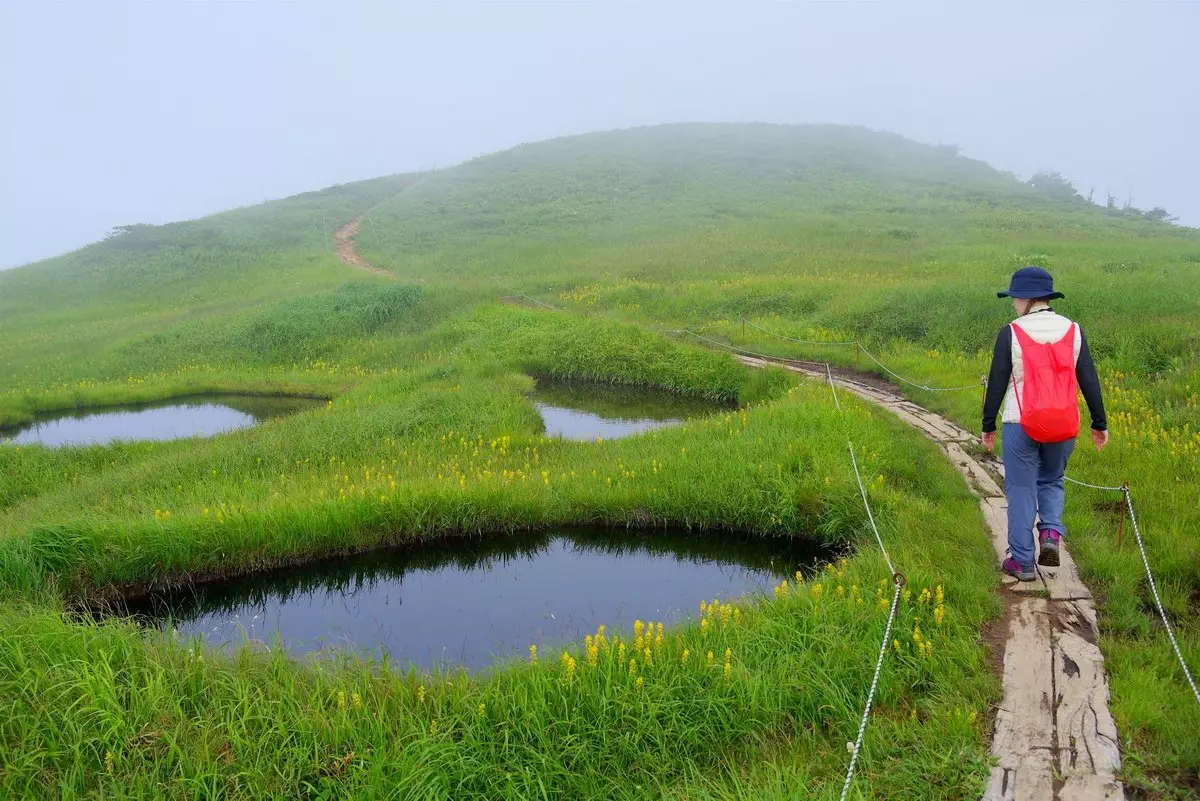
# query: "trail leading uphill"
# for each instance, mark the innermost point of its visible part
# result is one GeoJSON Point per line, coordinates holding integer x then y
{"type": "Point", "coordinates": [348, 254]}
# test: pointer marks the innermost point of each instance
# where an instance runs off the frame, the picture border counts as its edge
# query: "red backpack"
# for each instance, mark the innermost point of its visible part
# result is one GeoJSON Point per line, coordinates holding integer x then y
{"type": "Point", "coordinates": [1048, 403]}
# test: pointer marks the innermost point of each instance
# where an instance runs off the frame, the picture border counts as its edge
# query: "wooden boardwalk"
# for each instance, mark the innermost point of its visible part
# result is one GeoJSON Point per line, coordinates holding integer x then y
{"type": "Point", "coordinates": [1055, 737]}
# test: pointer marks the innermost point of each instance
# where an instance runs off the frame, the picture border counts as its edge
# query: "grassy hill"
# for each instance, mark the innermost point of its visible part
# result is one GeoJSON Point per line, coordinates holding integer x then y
{"type": "Point", "coordinates": [818, 232]}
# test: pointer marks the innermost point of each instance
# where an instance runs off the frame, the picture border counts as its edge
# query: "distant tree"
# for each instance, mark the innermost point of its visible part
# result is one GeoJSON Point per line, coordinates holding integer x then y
{"type": "Point", "coordinates": [134, 228]}
{"type": "Point", "coordinates": [1159, 214]}
{"type": "Point", "coordinates": [1055, 185]}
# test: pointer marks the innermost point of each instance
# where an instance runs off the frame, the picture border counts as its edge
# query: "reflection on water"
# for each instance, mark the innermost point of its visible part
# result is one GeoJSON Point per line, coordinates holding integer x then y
{"type": "Point", "coordinates": [173, 419]}
{"type": "Point", "coordinates": [467, 603]}
{"type": "Point", "coordinates": [585, 411]}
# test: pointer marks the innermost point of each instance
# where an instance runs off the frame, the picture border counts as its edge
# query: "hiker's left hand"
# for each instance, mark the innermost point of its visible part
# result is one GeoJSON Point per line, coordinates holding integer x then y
{"type": "Point", "coordinates": [989, 441]}
{"type": "Point", "coordinates": [1099, 439]}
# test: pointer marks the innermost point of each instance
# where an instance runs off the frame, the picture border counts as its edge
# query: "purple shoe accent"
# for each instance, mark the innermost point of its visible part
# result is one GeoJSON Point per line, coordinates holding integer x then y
{"type": "Point", "coordinates": [1022, 572]}
{"type": "Point", "coordinates": [1049, 541]}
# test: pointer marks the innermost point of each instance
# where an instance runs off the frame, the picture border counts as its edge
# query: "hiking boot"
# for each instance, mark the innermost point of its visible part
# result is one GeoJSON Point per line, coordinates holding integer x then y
{"type": "Point", "coordinates": [1021, 572]}
{"type": "Point", "coordinates": [1048, 539]}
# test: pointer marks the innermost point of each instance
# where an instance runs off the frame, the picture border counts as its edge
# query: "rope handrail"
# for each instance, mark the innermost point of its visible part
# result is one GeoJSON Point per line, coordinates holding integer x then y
{"type": "Point", "coordinates": [896, 576]}
{"type": "Point", "coordinates": [529, 298]}
{"type": "Point", "coordinates": [1137, 533]}
{"type": "Point", "coordinates": [898, 377]}
{"type": "Point", "coordinates": [871, 356]}
{"type": "Point", "coordinates": [844, 343]}
{"type": "Point", "coordinates": [733, 348]}
{"type": "Point", "coordinates": [832, 386]}
{"type": "Point", "coordinates": [898, 582]}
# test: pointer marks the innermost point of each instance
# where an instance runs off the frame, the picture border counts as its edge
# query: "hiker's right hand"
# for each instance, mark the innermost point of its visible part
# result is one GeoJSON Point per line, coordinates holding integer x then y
{"type": "Point", "coordinates": [1099, 439]}
{"type": "Point", "coordinates": [989, 440]}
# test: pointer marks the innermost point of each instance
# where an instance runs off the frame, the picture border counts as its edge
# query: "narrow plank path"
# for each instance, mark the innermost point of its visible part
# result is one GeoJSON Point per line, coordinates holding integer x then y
{"type": "Point", "coordinates": [1055, 737]}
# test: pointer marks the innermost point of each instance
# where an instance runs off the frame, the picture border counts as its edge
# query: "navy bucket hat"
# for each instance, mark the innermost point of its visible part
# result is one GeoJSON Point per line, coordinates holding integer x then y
{"type": "Point", "coordinates": [1031, 282]}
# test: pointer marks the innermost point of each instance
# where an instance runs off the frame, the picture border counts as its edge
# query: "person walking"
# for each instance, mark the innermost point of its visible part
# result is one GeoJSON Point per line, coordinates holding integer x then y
{"type": "Point", "coordinates": [1039, 365]}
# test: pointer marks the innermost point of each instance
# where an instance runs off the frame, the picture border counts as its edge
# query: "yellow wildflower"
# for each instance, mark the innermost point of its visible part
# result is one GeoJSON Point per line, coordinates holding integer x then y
{"type": "Point", "coordinates": [356, 701]}
{"type": "Point", "coordinates": [341, 700]}
{"type": "Point", "coordinates": [684, 659]}
{"type": "Point", "coordinates": [533, 654]}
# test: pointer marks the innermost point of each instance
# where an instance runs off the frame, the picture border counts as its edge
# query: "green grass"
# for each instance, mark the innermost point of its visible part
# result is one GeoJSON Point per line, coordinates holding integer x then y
{"type": "Point", "coordinates": [820, 232]}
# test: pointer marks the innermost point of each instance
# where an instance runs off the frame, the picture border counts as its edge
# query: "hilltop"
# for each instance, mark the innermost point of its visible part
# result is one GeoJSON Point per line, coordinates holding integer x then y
{"type": "Point", "coordinates": [814, 233]}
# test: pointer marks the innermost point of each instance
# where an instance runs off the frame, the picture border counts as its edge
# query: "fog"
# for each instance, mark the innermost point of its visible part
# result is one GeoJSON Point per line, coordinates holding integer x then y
{"type": "Point", "coordinates": [115, 113]}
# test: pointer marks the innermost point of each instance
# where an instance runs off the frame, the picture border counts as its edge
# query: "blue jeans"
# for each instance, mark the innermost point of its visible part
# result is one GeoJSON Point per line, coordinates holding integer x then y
{"type": "Point", "coordinates": [1033, 481]}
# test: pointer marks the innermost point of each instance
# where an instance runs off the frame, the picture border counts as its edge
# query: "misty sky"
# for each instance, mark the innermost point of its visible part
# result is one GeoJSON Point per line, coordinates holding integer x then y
{"type": "Point", "coordinates": [122, 112]}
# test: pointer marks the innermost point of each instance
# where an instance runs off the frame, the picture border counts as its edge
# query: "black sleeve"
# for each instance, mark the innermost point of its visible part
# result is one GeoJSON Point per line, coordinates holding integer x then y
{"type": "Point", "coordinates": [1089, 385]}
{"type": "Point", "coordinates": [998, 379]}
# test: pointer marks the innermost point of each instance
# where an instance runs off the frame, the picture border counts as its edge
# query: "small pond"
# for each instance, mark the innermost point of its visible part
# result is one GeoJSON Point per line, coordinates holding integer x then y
{"type": "Point", "coordinates": [200, 416]}
{"type": "Point", "coordinates": [585, 411]}
{"type": "Point", "coordinates": [471, 601]}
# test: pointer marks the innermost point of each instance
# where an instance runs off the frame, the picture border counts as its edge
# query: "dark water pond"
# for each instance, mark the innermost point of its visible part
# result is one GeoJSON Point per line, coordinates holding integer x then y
{"type": "Point", "coordinates": [472, 602]}
{"type": "Point", "coordinates": [584, 411]}
{"type": "Point", "coordinates": [173, 419]}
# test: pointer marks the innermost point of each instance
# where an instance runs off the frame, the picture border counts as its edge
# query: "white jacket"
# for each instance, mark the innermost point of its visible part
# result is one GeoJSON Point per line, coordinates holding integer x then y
{"type": "Point", "coordinates": [1042, 326]}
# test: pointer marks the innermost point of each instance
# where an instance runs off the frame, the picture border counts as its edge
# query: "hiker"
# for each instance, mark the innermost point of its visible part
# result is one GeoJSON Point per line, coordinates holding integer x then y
{"type": "Point", "coordinates": [1039, 365]}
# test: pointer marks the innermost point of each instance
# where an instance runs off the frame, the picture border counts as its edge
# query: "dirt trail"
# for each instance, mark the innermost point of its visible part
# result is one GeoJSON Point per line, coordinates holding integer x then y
{"type": "Point", "coordinates": [1054, 735]}
{"type": "Point", "coordinates": [348, 254]}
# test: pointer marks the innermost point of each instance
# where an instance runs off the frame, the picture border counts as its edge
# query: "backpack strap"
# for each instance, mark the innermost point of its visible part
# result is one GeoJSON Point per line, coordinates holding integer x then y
{"type": "Point", "coordinates": [1013, 375]}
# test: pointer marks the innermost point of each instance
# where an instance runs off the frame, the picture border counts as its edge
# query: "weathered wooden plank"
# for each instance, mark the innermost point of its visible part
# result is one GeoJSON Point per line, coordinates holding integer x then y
{"type": "Point", "coordinates": [1066, 585]}
{"type": "Point", "coordinates": [973, 470]}
{"type": "Point", "coordinates": [916, 422]}
{"type": "Point", "coordinates": [1087, 734]}
{"type": "Point", "coordinates": [1091, 788]}
{"type": "Point", "coordinates": [1023, 740]}
{"type": "Point", "coordinates": [995, 512]}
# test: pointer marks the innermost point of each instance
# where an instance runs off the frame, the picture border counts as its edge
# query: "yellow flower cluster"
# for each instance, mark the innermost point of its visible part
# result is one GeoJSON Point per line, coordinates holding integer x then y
{"type": "Point", "coordinates": [924, 646]}
{"type": "Point", "coordinates": [714, 612]}
{"type": "Point", "coordinates": [568, 664]}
